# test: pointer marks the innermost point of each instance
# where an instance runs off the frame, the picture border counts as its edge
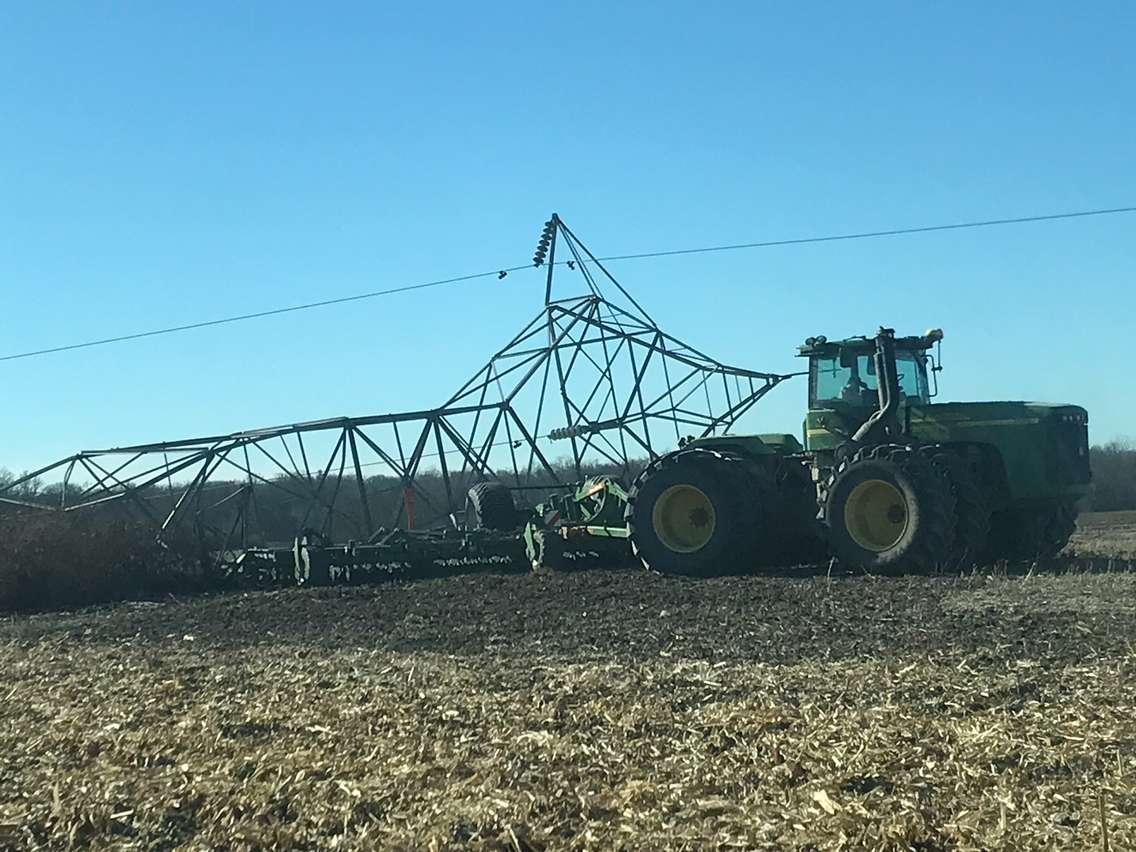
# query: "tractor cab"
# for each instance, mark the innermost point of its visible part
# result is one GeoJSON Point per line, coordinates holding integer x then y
{"type": "Point", "coordinates": [844, 383]}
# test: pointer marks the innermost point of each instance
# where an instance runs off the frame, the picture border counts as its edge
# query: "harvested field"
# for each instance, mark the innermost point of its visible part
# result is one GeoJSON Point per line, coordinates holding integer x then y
{"type": "Point", "coordinates": [590, 710]}
{"type": "Point", "coordinates": [1105, 534]}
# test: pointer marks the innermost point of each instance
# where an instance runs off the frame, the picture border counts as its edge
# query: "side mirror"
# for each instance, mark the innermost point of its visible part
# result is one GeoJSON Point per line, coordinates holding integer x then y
{"type": "Point", "coordinates": [936, 367]}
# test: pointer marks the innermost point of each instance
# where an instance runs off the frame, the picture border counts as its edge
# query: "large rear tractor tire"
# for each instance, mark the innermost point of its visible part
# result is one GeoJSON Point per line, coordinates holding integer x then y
{"type": "Point", "coordinates": [889, 510]}
{"type": "Point", "coordinates": [972, 508]}
{"type": "Point", "coordinates": [1062, 524]}
{"type": "Point", "coordinates": [698, 512]}
{"type": "Point", "coordinates": [800, 538]}
{"type": "Point", "coordinates": [1040, 533]}
{"type": "Point", "coordinates": [489, 505]}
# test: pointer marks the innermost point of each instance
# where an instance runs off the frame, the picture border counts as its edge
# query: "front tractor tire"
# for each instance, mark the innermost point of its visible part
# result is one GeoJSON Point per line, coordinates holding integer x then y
{"type": "Point", "coordinates": [697, 512]}
{"type": "Point", "coordinates": [889, 510]}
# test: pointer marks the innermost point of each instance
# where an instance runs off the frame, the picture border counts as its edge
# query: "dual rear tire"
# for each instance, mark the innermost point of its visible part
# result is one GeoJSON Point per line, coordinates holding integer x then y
{"type": "Point", "coordinates": [890, 509]}
{"type": "Point", "coordinates": [914, 509]}
{"type": "Point", "coordinates": [703, 512]}
{"type": "Point", "coordinates": [698, 512]}
{"type": "Point", "coordinates": [1038, 533]}
{"type": "Point", "coordinates": [886, 509]}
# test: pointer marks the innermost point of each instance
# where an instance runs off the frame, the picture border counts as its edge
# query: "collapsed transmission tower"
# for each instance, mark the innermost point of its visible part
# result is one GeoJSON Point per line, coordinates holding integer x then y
{"type": "Point", "coordinates": [594, 373]}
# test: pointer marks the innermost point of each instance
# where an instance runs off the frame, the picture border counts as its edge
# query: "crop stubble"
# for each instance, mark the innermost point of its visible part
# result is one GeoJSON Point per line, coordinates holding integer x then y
{"type": "Point", "coordinates": [590, 710]}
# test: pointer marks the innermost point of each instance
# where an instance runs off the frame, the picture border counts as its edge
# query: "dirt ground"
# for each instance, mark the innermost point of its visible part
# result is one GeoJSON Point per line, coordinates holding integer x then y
{"type": "Point", "coordinates": [594, 710]}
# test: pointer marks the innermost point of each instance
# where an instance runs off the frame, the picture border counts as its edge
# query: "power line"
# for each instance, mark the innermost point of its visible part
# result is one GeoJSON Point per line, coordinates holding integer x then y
{"type": "Point", "coordinates": [925, 229]}
{"type": "Point", "coordinates": [500, 273]}
{"type": "Point", "coordinates": [256, 315]}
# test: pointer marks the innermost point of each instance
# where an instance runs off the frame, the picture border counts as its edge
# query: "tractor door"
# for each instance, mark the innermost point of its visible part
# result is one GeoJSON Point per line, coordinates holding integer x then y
{"type": "Point", "coordinates": [842, 395]}
{"type": "Point", "coordinates": [843, 391]}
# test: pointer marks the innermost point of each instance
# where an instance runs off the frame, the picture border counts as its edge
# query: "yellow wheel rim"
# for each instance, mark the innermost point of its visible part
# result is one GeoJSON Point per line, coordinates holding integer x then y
{"type": "Point", "coordinates": [875, 515]}
{"type": "Point", "coordinates": [683, 518]}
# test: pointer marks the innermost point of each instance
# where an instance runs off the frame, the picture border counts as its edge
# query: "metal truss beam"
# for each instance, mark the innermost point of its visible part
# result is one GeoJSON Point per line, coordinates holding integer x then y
{"type": "Point", "coordinates": [593, 371]}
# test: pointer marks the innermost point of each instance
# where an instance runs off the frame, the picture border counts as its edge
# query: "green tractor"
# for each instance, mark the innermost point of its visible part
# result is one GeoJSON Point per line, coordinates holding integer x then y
{"type": "Point", "coordinates": [886, 479]}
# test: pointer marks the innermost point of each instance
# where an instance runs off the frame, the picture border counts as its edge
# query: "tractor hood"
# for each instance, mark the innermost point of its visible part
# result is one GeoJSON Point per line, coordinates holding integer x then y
{"type": "Point", "coordinates": [1043, 446]}
{"type": "Point", "coordinates": [1003, 413]}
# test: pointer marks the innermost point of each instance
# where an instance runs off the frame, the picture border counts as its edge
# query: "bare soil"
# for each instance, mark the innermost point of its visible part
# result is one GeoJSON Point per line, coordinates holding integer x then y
{"type": "Point", "coordinates": [595, 710]}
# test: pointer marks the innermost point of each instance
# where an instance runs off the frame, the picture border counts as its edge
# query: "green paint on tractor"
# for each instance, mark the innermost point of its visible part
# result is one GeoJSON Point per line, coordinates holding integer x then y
{"type": "Point", "coordinates": [1031, 451]}
{"type": "Point", "coordinates": [896, 480]}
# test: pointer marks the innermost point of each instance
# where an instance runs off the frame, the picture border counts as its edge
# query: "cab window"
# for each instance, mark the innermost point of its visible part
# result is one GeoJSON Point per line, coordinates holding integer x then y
{"type": "Point", "coordinates": [836, 380]}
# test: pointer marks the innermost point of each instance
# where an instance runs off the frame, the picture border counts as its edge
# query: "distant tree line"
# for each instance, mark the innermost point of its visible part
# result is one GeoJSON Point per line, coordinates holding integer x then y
{"type": "Point", "coordinates": [1114, 476]}
{"type": "Point", "coordinates": [267, 514]}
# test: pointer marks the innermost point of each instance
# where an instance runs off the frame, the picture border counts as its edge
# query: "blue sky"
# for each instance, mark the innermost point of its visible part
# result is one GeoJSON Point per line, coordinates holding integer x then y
{"type": "Point", "coordinates": [164, 163]}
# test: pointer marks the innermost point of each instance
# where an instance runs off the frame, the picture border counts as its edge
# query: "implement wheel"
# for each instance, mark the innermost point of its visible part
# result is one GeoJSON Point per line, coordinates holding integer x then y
{"type": "Point", "coordinates": [888, 509]}
{"type": "Point", "coordinates": [697, 512]}
{"type": "Point", "coordinates": [489, 505]}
